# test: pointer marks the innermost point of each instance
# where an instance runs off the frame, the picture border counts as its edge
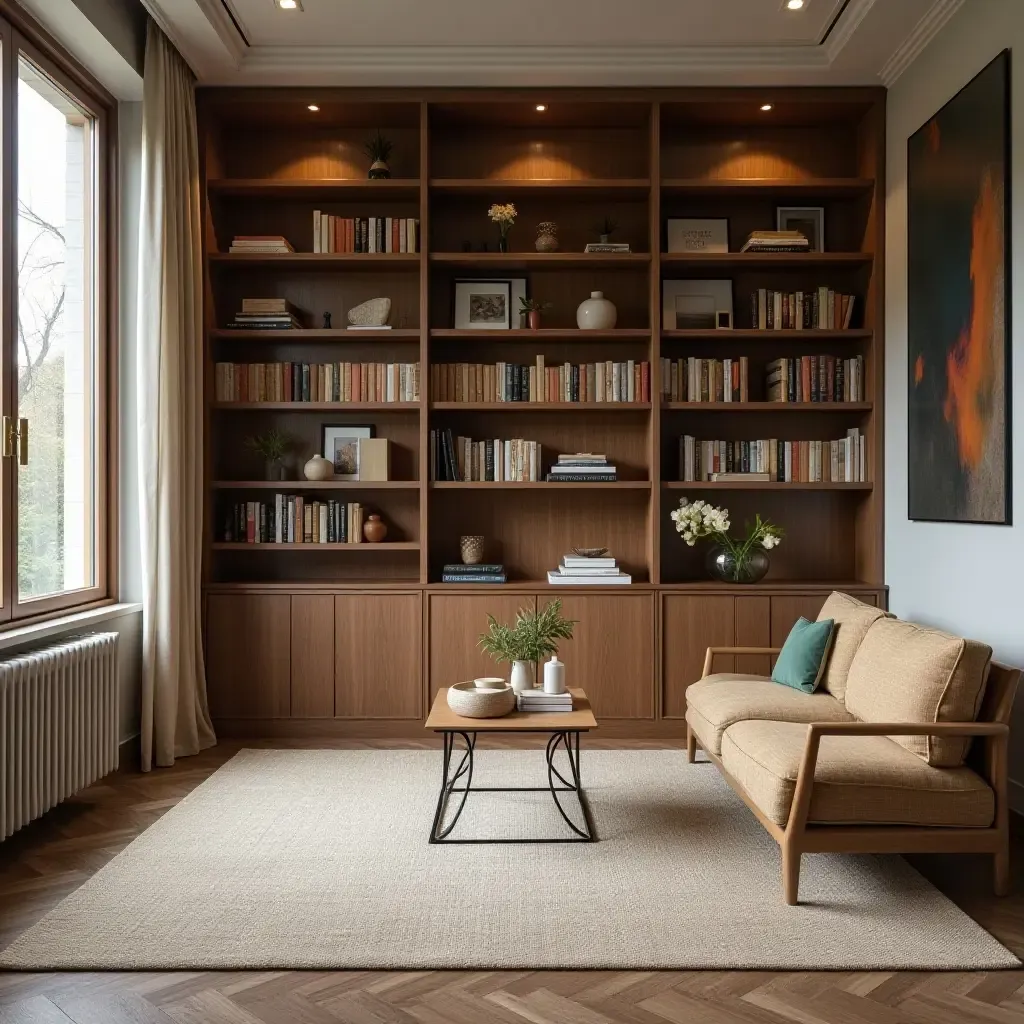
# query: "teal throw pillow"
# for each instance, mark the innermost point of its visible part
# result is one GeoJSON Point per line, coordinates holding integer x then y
{"type": "Point", "coordinates": [801, 662]}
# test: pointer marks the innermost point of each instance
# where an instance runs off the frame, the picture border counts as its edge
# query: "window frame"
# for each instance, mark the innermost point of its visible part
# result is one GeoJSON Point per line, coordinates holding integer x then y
{"type": "Point", "coordinates": [21, 37]}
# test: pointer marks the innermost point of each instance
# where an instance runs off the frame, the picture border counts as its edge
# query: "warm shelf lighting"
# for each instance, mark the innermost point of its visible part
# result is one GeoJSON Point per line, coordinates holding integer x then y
{"type": "Point", "coordinates": [290, 5]}
{"type": "Point", "coordinates": [313, 107]}
{"type": "Point", "coordinates": [766, 106]}
{"type": "Point", "coordinates": [541, 108]}
{"type": "Point", "coordinates": [794, 5]}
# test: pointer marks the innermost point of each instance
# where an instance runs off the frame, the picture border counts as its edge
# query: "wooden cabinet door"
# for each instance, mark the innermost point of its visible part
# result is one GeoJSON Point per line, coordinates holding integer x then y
{"type": "Point", "coordinates": [456, 622]}
{"type": "Point", "coordinates": [753, 629]}
{"type": "Point", "coordinates": [248, 655]}
{"type": "Point", "coordinates": [312, 656]}
{"type": "Point", "coordinates": [691, 624]}
{"type": "Point", "coordinates": [787, 608]}
{"type": "Point", "coordinates": [611, 655]}
{"type": "Point", "coordinates": [378, 656]}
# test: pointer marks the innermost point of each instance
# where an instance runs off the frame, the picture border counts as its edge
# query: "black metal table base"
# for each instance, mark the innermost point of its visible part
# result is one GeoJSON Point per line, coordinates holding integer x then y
{"type": "Point", "coordinates": [568, 739]}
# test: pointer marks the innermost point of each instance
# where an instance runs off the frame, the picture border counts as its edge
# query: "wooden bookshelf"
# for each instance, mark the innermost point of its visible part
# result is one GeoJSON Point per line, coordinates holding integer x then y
{"type": "Point", "coordinates": [280, 640]}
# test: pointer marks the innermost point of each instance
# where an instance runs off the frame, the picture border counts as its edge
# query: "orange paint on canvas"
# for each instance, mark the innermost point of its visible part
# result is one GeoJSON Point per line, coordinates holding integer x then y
{"type": "Point", "coordinates": [934, 136]}
{"type": "Point", "coordinates": [970, 366]}
{"type": "Point", "coordinates": [919, 369]}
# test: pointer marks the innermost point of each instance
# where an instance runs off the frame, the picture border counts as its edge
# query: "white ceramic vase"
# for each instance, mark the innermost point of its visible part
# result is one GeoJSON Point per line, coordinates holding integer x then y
{"type": "Point", "coordinates": [522, 676]}
{"type": "Point", "coordinates": [554, 675]}
{"type": "Point", "coordinates": [318, 468]}
{"type": "Point", "coordinates": [596, 313]}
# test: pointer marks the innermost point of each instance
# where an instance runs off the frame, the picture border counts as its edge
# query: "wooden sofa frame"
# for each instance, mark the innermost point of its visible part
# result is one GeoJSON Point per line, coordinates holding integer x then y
{"type": "Point", "coordinates": [988, 758]}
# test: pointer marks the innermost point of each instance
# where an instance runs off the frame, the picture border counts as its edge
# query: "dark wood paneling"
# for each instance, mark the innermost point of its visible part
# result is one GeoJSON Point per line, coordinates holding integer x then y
{"type": "Point", "coordinates": [753, 629]}
{"type": "Point", "coordinates": [312, 664]}
{"type": "Point", "coordinates": [787, 608]}
{"type": "Point", "coordinates": [691, 625]}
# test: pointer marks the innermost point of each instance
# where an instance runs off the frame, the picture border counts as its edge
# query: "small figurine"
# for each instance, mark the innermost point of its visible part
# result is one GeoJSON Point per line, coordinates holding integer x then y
{"type": "Point", "coordinates": [327, 321]}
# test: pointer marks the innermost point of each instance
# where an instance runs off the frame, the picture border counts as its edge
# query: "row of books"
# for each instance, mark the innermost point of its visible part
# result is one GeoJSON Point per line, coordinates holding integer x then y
{"type": "Point", "coordinates": [705, 380]}
{"type": "Point", "coordinates": [776, 241]}
{"type": "Point", "coordinates": [462, 458]}
{"type": "Point", "coordinates": [489, 572]}
{"type": "Point", "coordinates": [291, 519]}
{"type": "Point", "coordinates": [840, 461]}
{"type": "Point", "coordinates": [364, 234]}
{"type": "Point", "coordinates": [628, 381]}
{"type": "Point", "coordinates": [821, 309]}
{"type": "Point", "coordinates": [269, 244]}
{"type": "Point", "coordinates": [815, 379]}
{"type": "Point", "coordinates": [582, 570]}
{"type": "Point", "coordinates": [583, 467]}
{"type": "Point", "coordinates": [317, 382]}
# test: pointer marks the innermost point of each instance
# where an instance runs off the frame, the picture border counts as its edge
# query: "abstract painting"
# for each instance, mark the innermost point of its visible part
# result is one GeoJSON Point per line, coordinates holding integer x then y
{"type": "Point", "coordinates": [959, 307]}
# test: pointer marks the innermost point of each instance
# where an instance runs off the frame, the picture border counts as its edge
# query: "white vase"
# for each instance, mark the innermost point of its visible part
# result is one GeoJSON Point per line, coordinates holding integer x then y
{"type": "Point", "coordinates": [522, 676]}
{"type": "Point", "coordinates": [554, 675]}
{"type": "Point", "coordinates": [596, 313]}
{"type": "Point", "coordinates": [318, 468]}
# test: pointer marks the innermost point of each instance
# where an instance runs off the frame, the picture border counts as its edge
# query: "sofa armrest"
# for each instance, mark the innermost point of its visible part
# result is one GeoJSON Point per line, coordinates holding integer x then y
{"type": "Point", "coordinates": [709, 658]}
{"type": "Point", "coordinates": [997, 732]}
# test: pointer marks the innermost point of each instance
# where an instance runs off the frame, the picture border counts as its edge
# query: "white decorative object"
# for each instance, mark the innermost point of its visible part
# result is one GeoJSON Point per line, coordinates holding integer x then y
{"type": "Point", "coordinates": [318, 468]}
{"type": "Point", "coordinates": [596, 313]}
{"type": "Point", "coordinates": [522, 676]}
{"type": "Point", "coordinates": [554, 675]}
{"type": "Point", "coordinates": [371, 313]}
{"type": "Point", "coordinates": [471, 700]}
{"type": "Point", "coordinates": [698, 234]}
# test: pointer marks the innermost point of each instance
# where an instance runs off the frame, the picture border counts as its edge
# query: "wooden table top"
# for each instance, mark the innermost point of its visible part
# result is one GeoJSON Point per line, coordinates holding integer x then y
{"type": "Point", "coordinates": [581, 718]}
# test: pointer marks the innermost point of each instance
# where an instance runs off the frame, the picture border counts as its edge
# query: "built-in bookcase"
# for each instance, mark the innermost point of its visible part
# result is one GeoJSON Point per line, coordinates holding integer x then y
{"type": "Point", "coordinates": [636, 158]}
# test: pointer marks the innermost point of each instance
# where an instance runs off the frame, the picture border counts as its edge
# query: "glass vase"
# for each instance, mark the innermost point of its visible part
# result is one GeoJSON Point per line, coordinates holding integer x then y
{"type": "Point", "coordinates": [502, 243]}
{"type": "Point", "coordinates": [723, 565]}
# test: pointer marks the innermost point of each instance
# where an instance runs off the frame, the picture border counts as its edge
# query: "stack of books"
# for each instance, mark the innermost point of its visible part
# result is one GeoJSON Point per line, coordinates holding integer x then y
{"type": "Point", "coordinates": [260, 244]}
{"type": "Point", "coordinates": [776, 241]}
{"type": "Point", "coordinates": [579, 570]}
{"type": "Point", "coordinates": [820, 309]}
{"type": "Point", "coordinates": [705, 380]}
{"type": "Point", "coordinates": [492, 572]}
{"type": "Point", "coordinates": [454, 458]}
{"type": "Point", "coordinates": [266, 315]}
{"type": "Point", "coordinates": [606, 247]}
{"type": "Point", "coordinates": [292, 519]}
{"type": "Point", "coordinates": [332, 234]}
{"type": "Point", "coordinates": [815, 379]}
{"type": "Point", "coordinates": [583, 467]}
{"type": "Point", "coordinates": [538, 700]}
{"type": "Point", "coordinates": [317, 382]}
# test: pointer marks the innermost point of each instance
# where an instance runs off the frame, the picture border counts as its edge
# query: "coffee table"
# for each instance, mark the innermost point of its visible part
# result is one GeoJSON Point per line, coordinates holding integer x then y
{"type": "Point", "coordinates": [564, 727]}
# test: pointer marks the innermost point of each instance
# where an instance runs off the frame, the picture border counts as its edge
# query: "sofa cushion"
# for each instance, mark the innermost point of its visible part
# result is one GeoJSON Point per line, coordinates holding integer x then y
{"type": "Point", "coordinates": [801, 662]}
{"type": "Point", "coordinates": [903, 672]}
{"type": "Point", "coordinates": [857, 780]}
{"type": "Point", "coordinates": [717, 701]}
{"type": "Point", "coordinates": [852, 619]}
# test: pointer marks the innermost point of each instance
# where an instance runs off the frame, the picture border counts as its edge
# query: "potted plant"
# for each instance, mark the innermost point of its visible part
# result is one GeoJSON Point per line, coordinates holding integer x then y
{"type": "Point", "coordinates": [273, 446]}
{"type": "Point", "coordinates": [504, 215]}
{"type": "Point", "coordinates": [533, 637]}
{"type": "Point", "coordinates": [605, 229]}
{"type": "Point", "coordinates": [533, 309]}
{"type": "Point", "coordinates": [378, 149]}
{"type": "Point", "coordinates": [733, 561]}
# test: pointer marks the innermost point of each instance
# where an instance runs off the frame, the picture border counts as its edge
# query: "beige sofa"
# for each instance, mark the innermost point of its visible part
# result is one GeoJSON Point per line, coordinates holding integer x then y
{"type": "Point", "coordinates": [880, 759]}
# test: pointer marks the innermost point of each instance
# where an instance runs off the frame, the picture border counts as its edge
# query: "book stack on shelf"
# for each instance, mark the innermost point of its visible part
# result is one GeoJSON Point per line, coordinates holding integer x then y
{"type": "Point", "coordinates": [617, 247]}
{"type": "Point", "coordinates": [839, 461]}
{"type": "Point", "coordinates": [266, 315]}
{"type": "Point", "coordinates": [815, 379]}
{"type": "Point", "coordinates": [491, 572]}
{"type": "Point", "coordinates": [628, 381]}
{"type": "Point", "coordinates": [317, 382]}
{"type": "Point", "coordinates": [499, 461]}
{"type": "Point", "coordinates": [583, 467]}
{"type": "Point", "coordinates": [265, 244]}
{"type": "Point", "coordinates": [705, 380]}
{"type": "Point", "coordinates": [776, 241]}
{"type": "Point", "coordinates": [822, 309]}
{"type": "Point", "coordinates": [291, 519]}
{"type": "Point", "coordinates": [584, 570]}
{"type": "Point", "coordinates": [333, 234]}
{"type": "Point", "coordinates": [538, 701]}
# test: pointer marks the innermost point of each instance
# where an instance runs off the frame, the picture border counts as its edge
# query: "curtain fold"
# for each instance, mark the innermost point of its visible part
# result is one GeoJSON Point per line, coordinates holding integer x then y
{"type": "Point", "coordinates": [175, 714]}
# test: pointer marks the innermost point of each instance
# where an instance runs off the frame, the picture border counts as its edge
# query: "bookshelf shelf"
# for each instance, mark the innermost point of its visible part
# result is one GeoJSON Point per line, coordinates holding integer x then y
{"type": "Point", "coordinates": [539, 485]}
{"type": "Point", "coordinates": [777, 260]}
{"type": "Point", "coordinates": [316, 406]}
{"type": "Point", "coordinates": [824, 188]}
{"type": "Point", "coordinates": [584, 187]}
{"type": "Point", "coordinates": [544, 334]}
{"type": "Point", "coordinates": [315, 485]}
{"type": "Point", "coordinates": [760, 485]}
{"type": "Point", "coordinates": [334, 189]}
{"type": "Point", "coordinates": [787, 407]}
{"type": "Point", "coordinates": [724, 336]}
{"type": "Point", "coordinates": [303, 335]}
{"type": "Point", "coordinates": [382, 548]}
{"type": "Point", "coordinates": [484, 261]}
{"type": "Point", "coordinates": [523, 407]}
{"type": "Point", "coordinates": [316, 260]}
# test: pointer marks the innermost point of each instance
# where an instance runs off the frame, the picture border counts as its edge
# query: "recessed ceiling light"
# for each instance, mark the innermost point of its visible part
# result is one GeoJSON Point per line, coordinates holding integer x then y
{"type": "Point", "coordinates": [766, 106]}
{"type": "Point", "coordinates": [290, 5]}
{"type": "Point", "coordinates": [794, 5]}
{"type": "Point", "coordinates": [313, 107]}
{"type": "Point", "coordinates": [541, 108]}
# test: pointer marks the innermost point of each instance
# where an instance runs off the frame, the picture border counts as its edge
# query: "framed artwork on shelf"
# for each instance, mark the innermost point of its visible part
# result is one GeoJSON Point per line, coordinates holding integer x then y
{"type": "Point", "coordinates": [808, 220]}
{"type": "Point", "coordinates": [958, 306]}
{"type": "Point", "coordinates": [340, 442]}
{"type": "Point", "coordinates": [695, 305]}
{"type": "Point", "coordinates": [698, 234]}
{"type": "Point", "coordinates": [483, 305]}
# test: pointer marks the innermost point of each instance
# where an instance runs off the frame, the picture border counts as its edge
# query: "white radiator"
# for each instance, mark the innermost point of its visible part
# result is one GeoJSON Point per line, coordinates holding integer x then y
{"type": "Point", "coordinates": [58, 725]}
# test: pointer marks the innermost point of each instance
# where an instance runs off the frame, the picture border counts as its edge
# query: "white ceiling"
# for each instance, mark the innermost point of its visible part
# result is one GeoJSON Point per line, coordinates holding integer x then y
{"type": "Point", "coordinates": [550, 42]}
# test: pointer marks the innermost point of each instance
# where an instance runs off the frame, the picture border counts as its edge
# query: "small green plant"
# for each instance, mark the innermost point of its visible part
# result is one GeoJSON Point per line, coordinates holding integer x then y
{"type": "Point", "coordinates": [606, 227]}
{"type": "Point", "coordinates": [532, 637]}
{"type": "Point", "coordinates": [532, 305]}
{"type": "Point", "coordinates": [273, 445]}
{"type": "Point", "coordinates": [379, 148]}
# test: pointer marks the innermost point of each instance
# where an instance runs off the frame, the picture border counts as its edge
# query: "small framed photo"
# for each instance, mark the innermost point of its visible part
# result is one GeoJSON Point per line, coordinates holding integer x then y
{"type": "Point", "coordinates": [809, 220]}
{"type": "Point", "coordinates": [698, 234]}
{"type": "Point", "coordinates": [723, 320]}
{"type": "Point", "coordinates": [340, 442]}
{"type": "Point", "coordinates": [483, 305]}
{"type": "Point", "coordinates": [695, 305]}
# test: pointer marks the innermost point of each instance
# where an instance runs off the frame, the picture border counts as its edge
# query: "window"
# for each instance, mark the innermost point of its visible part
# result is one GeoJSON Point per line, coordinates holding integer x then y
{"type": "Point", "coordinates": [55, 481]}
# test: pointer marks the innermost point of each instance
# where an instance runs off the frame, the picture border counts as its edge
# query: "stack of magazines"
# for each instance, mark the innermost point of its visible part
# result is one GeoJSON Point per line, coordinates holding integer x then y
{"type": "Point", "coordinates": [776, 241]}
{"type": "Point", "coordinates": [583, 467]}
{"type": "Point", "coordinates": [583, 570]}
{"type": "Point", "coordinates": [538, 700]}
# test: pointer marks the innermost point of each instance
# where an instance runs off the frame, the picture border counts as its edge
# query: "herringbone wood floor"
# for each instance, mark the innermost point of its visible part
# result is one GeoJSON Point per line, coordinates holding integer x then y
{"type": "Point", "coordinates": [52, 857]}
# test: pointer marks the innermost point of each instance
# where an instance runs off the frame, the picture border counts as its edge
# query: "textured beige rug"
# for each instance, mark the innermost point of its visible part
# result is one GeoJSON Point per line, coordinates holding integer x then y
{"type": "Point", "coordinates": [319, 859]}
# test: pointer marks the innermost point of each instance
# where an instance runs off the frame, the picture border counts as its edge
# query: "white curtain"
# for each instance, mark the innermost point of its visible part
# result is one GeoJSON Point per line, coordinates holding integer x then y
{"type": "Point", "coordinates": [175, 716]}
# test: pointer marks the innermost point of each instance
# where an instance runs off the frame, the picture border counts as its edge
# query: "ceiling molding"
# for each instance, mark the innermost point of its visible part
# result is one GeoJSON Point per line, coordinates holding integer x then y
{"type": "Point", "coordinates": [226, 27]}
{"type": "Point", "coordinates": [924, 31]}
{"type": "Point", "coordinates": [849, 21]}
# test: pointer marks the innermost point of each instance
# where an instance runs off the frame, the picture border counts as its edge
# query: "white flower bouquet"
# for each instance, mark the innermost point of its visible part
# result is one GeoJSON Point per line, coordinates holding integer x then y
{"type": "Point", "coordinates": [738, 560]}
{"type": "Point", "coordinates": [504, 215]}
